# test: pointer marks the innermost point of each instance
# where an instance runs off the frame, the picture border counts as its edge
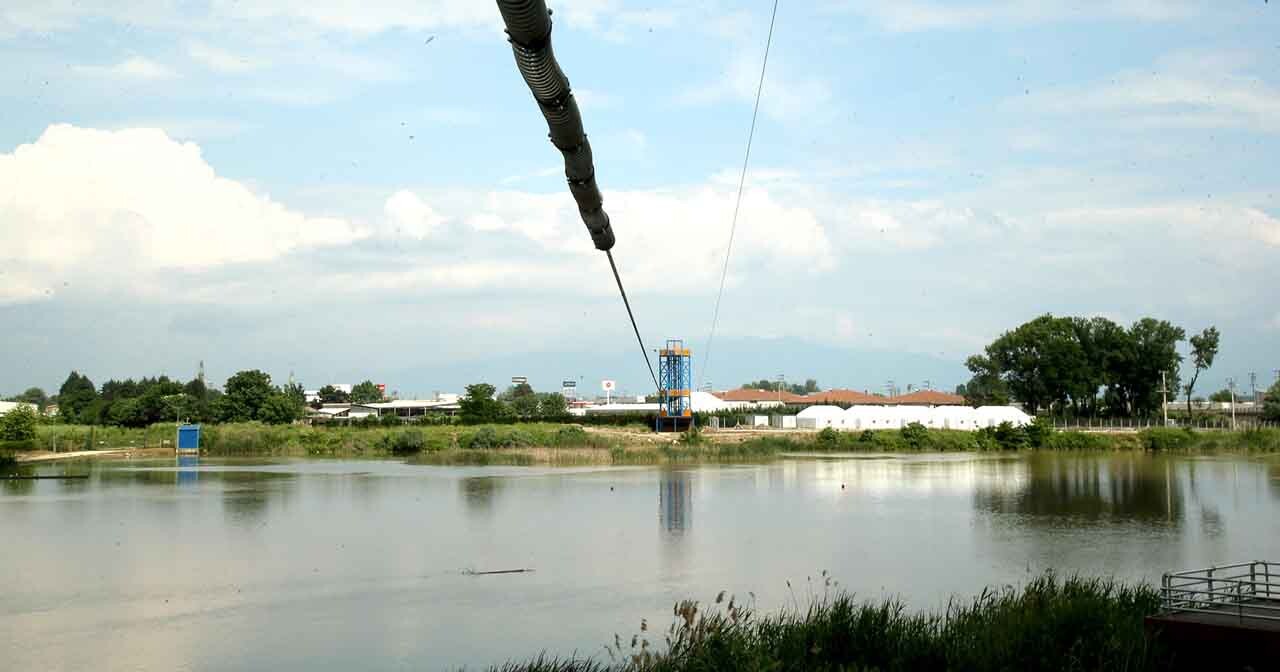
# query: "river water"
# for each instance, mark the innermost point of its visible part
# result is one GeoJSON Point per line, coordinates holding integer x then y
{"type": "Point", "coordinates": [362, 565]}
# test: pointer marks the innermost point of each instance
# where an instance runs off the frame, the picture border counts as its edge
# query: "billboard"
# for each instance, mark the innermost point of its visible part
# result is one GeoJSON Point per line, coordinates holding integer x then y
{"type": "Point", "coordinates": [608, 385]}
{"type": "Point", "coordinates": [519, 380]}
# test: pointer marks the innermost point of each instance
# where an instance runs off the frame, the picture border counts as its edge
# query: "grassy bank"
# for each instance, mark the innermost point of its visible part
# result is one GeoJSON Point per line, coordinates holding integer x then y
{"type": "Point", "coordinates": [1050, 624]}
{"type": "Point", "coordinates": [560, 444]}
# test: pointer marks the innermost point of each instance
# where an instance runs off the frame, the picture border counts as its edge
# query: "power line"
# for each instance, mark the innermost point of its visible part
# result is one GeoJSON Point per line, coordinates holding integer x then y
{"type": "Point", "coordinates": [737, 205]}
{"type": "Point", "coordinates": [631, 315]}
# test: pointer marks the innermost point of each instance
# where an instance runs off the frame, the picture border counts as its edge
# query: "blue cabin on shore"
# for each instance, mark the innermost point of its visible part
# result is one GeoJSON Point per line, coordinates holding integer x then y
{"type": "Point", "coordinates": [189, 438]}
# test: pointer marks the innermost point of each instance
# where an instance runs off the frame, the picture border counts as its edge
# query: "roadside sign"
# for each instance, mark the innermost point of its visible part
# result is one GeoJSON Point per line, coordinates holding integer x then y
{"type": "Point", "coordinates": [608, 385]}
{"type": "Point", "coordinates": [568, 383]}
{"type": "Point", "coordinates": [519, 380]}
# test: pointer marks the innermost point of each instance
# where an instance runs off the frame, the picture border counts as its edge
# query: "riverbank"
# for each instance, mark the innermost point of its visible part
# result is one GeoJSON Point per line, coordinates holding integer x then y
{"type": "Point", "coordinates": [1049, 624]}
{"type": "Point", "coordinates": [567, 444]}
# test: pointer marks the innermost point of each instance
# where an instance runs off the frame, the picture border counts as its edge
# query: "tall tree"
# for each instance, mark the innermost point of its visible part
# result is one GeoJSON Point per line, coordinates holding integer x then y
{"type": "Point", "coordinates": [1155, 348]}
{"type": "Point", "coordinates": [479, 404]}
{"type": "Point", "coordinates": [332, 395]}
{"type": "Point", "coordinates": [986, 387]}
{"type": "Point", "coordinates": [1271, 403]}
{"type": "Point", "coordinates": [365, 393]}
{"type": "Point", "coordinates": [1204, 347]}
{"type": "Point", "coordinates": [75, 395]}
{"type": "Point", "coordinates": [245, 394]}
{"type": "Point", "coordinates": [34, 396]}
{"type": "Point", "coordinates": [279, 409]}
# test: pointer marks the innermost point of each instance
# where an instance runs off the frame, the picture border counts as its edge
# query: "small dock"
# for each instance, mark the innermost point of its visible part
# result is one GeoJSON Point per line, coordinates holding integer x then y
{"type": "Point", "coordinates": [1226, 615]}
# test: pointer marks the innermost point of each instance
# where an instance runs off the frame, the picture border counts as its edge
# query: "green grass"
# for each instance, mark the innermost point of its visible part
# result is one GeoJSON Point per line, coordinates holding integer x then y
{"type": "Point", "coordinates": [1072, 624]}
{"type": "Point", "coordinates": [551, 443]}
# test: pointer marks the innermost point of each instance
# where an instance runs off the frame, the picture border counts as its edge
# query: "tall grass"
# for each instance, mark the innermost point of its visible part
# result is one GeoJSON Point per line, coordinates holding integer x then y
{"type": "Point", "coordinates": [1049, 624]}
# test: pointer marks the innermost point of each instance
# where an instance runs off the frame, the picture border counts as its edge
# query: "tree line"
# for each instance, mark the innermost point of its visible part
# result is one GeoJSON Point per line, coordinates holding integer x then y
{"type": "Point", "coordinates": [483, 404]}
{"type": "Point", "coordinates": [1089, 366]}
{"type": "Point", "coordinates": [809, 386]}
{"type": "Point", "coordinates": [247, 395]}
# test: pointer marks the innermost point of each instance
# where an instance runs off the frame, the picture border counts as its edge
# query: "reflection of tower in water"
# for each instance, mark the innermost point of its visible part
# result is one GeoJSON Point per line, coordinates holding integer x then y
{"type": "Point", "coordinates": [675, 499]}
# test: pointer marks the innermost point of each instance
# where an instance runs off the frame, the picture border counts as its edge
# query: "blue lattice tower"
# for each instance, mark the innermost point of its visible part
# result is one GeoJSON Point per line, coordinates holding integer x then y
{"type": "Point", "coordinates": [675, 394]}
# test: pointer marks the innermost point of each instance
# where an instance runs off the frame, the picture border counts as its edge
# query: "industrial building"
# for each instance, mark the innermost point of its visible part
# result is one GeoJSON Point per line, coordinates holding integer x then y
{"type": "Point", "coordinates": [866, 416]}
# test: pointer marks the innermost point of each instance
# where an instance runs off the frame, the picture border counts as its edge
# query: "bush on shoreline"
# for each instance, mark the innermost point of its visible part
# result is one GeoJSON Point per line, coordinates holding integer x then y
{"type": "Point", "coordinates": [1049, 624]}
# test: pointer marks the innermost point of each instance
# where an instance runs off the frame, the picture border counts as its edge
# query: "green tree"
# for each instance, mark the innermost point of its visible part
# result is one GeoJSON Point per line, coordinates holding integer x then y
{"type": "Point", "coordinates": [295, 392]}
{"type": "Point", "coordinates": [1271, 403]}
{"type": "Point", "coordinates": [76, 393]}
{"type": "Point", "coordinates": [479, 405]}
{"type": "Point", "coordinates": [127, 413]}
{"type": "Point", "coordinates": [1155, 351]}
{"type": "Point", "coordinates": [1204, 347]}
{"type": "Point", "coordinates": [19, 424]}
{"type": "Point", "coordinates": [34, 396]}
{"type": "Point", "coordinates": [279, 409]}
{"type": "Point", "coordinates": [525, 406]}
{"type": "Point", "coordinates": [245, 394]}
{"type": "Point", "coordinates": [987, 387]}
{"type": "Point", "coordinates": [196, 388]}
{"type": "Point", "coordinates": [553, 405]}
{"type": "Point", "coordinates": [332, 395]}
{"type": "Point", "coordinates": [1221, 396]}
{"type": "Point", "coordinates": [366, 393]}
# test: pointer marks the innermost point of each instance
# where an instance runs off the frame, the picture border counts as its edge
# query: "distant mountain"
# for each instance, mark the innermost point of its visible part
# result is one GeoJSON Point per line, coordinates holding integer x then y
{"type": "Point", "coordinates": [734, 361]}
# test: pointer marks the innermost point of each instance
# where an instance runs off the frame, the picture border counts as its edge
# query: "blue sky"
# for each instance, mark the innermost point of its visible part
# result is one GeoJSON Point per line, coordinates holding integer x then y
{"type": "Point", "coordinates": [349, 190]}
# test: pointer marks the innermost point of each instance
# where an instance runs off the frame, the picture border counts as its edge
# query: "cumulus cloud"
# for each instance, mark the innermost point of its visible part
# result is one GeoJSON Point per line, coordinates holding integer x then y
{"type": "Point", "coordinates": [411, 216]}
{"type": "Point", "coordinates": [133, 201]}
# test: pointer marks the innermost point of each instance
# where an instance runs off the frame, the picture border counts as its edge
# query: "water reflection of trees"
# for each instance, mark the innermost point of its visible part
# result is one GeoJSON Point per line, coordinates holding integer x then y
{"type": "Point", "coordinates": [675, 501]}
{"type": "Point", "coordinates": [247, 495]}
{"type": "Point", "coordinates": [1129, 486]}
{"type": "Point", "coordinates": [479, 493]}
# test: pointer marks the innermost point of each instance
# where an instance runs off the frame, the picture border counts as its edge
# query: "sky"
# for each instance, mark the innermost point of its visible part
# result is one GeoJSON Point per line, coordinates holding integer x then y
{"type": "Point", "coordinates": [346, 190]}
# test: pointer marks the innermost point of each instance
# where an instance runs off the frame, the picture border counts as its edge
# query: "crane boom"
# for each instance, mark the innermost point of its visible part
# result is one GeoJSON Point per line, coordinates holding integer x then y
{"type": "Point", "coordinates": [529, 31]}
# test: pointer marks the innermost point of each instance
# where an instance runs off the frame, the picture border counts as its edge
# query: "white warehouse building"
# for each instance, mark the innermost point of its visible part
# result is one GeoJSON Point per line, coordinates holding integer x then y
{"type": "Point", "coordinates": [862, 417]}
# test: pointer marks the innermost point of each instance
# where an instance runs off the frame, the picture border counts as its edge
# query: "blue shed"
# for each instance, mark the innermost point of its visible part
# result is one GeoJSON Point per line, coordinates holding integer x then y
{"type": "Point", "coordinates": [189, 438]}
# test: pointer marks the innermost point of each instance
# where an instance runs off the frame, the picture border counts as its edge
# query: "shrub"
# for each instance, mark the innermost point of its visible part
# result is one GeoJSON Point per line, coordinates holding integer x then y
{"type": "Point", "coordinates": [1039, 432]}
{"type": "Point", "coordinates": [390, 421]}
{"type": "Point", "coordinates": [408, 442]}
{"type": "Point", "coordinates": [915, 435]}
{"type": "Point", "coordinates": [19, 424]}
{"type": "Point", "coordinates": [1011, 437]}
{"type": "Point", "coordinates": [828, 439]}
{"type": "Point", "coordinates": [1157, 439]}
{"type": "Point", "coordinates": [1077, 441]}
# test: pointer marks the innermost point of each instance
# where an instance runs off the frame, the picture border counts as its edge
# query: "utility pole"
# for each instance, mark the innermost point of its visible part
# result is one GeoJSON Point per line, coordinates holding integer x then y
{"type": "Point", "coordinates": [1253, 387]}
{"type": "Point", "coordinates": [1164, 397]}
{"type": "Point", "coordinates": [1231, 385]}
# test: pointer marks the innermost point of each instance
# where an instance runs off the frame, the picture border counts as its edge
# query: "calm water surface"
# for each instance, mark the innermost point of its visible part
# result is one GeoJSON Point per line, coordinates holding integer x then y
{"type": "Point", "coordinates": [328, 565]}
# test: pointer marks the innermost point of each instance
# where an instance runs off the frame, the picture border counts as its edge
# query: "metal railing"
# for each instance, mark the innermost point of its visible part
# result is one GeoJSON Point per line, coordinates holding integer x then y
{"type": "Point", "coordinates": [1249, 590]}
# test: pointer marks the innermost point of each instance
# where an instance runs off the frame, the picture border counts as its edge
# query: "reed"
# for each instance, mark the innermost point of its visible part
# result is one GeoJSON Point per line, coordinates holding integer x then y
{"type": "Point", "coordinates": [1049, 624]}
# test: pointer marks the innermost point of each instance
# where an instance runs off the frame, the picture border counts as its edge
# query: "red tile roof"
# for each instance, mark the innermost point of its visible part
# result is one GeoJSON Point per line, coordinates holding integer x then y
{"type": "Point", "coordinates": [844, 397]}
{"type": "Point", "coordinates": [929, 398]}
{"type": "Point", "coordinates": [759, 395]}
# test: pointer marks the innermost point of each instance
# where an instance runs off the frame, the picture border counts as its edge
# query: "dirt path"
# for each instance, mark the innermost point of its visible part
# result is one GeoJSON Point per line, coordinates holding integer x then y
{"type": "Point", "coordinates": [117, 453]}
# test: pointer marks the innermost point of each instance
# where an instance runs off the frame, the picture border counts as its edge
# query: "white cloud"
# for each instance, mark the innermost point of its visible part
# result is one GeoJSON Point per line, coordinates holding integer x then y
{"type": "Point", "coordinates": [411, 216]}
{"type": "Point", "coordinates": [919, 15]}
{"type": "Point", "coordinates": [786, 95]}
{"type": "Point", "coordinates": [130, 202]}
{"type": "Point", "coordinates": [1174, 93]}
{"type": "Point", "coordinates": [663, 233]}
{"type": "Point", "coordinates": [134, 67]}
{"type": "Point", "coordinates": [220, 60]}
